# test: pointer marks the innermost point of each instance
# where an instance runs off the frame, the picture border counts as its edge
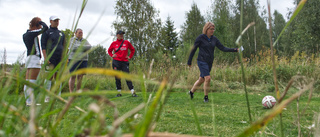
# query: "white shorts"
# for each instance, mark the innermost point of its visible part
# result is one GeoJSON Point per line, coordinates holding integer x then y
{"type": "Point", "coordinates": [33, 61]}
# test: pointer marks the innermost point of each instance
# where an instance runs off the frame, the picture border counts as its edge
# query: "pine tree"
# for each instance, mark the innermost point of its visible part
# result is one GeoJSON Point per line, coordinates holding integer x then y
{"type": "Point", "coordinates": [193, 26]}
{"type": "Point", "coordinates": [169, 39]}
{"type": "Point", "coordinates": [141, 22]}
{"type": "Point", "coordinates": [277, 26]}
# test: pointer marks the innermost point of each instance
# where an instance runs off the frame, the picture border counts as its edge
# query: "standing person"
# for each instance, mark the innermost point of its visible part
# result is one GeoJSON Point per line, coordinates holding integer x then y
{"type": "Point", "coordinates": [31, 40]}
{"type": "Point", "coordinates": [206, 43]}
{"type": "Point", "coordinates": [77, 48]}
{"type": "Point", "coordinates": [52, 41]}
{"type": "Point", "coordinates": [120, 59]}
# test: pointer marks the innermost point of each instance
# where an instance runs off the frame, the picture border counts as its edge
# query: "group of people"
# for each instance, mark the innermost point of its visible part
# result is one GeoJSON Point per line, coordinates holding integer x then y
{"type": "Point", "coordinates": [53, 42]}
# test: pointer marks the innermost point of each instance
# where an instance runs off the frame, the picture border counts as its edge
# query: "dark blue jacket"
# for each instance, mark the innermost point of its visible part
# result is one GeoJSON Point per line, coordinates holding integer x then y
{"type": "Point", "coordinates": [31, 40]}
{"type": "Point", "coordinates": [53, 38]}
{"type": "Point", "coordinates": [206, 48]}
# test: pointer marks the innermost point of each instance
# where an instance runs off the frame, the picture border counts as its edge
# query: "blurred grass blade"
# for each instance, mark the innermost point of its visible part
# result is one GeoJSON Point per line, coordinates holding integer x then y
{"type": "Point", "coordinates": [272, 113]}
{"type": "Point", "coordinates": [196, 118]}
{"type": "Point", "coordinates": [238, 42]}
{"type": "Point", "coordinates": [145, 124]}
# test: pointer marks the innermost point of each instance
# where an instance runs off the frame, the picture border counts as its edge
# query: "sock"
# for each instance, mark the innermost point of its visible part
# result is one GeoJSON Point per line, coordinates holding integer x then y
{"type": "Point", "coordinates": [47, 86]}
{"type": "Point", "coordinates": [60, 90]}
{"type": "Point", "coordinates": [132, 91]}
{"type": "Point", "coordinates": [28, 92]}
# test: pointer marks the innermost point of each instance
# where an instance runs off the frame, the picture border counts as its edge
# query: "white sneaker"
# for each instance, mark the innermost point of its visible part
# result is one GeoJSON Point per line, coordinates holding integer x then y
{"type": "Point", "coordinates": [47, 99]}
{"type": "Point", "coordinates": [28, 104]}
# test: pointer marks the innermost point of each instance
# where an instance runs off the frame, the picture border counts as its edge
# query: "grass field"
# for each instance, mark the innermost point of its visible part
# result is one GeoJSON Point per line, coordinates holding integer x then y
{"type": "Point", "coordinates": [225, 115]}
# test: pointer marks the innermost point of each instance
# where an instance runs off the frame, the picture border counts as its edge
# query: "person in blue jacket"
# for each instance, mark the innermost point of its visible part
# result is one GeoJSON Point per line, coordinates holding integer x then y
{"type": "Point", "coordinates": [31, 40]}
{"type": "Point", "coordinates": [206, 43]}
{"type": "Point", "coordinates": [53, 40]}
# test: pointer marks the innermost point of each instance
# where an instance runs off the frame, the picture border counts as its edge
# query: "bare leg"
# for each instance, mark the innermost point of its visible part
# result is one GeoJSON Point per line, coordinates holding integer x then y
{"type": "Point", "coordinates": [31, 76]}
{"type": "Point", "coordinates": [79, 80]}
{"type": "Point", "coordinates": [197, 84]}
{"type": "Point", "coordinates": [71, 83]}
{"type": "Point", "coordinates": [206, 85]}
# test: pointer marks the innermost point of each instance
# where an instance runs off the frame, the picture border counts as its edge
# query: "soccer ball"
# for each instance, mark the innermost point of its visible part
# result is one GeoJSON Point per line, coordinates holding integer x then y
{"type": "Point", "coordinates": [268, 101]}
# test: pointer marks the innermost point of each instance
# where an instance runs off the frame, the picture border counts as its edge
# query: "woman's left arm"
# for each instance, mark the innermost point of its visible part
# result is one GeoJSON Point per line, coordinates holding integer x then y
{"type": "Point", "coordinates": [225, 49]}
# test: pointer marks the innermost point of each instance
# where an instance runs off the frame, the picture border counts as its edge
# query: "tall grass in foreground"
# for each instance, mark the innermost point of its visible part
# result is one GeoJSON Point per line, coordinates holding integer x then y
{"type": "Point", "coordinates": [155, 82]}
{"type": "Point", "coordinates": [307, 85]}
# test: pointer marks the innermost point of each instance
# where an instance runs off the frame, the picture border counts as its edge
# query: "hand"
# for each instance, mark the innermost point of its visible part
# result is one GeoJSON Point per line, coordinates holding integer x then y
{"type": "Point", "coordinates": [241, 49]}
{"type": "Point", "coordinates": [48, 60]}
{"type": "Point", "coordinates": [114, 56]}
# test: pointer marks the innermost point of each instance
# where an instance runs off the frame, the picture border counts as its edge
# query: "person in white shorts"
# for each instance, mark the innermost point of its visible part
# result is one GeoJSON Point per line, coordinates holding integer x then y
{"type": "Point", "coordinates": [31, 40]}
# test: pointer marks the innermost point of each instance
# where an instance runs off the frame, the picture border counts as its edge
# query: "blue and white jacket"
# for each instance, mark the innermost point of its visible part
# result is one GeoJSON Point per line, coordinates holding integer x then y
{"type": "Point", "coordinates": [31, 40]}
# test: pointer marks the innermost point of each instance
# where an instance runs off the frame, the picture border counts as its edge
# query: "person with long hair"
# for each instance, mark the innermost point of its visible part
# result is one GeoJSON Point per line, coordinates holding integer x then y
{"type": "Point", "coordinates": [206, 43]}
{"type": "Point", "coordinates": [32, 63]}
{"type": "Point", "coordinates": [77, 58]}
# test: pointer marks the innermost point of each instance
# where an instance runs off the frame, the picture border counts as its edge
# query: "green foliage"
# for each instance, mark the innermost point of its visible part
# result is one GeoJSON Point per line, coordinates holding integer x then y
{"type": "Point", "coordinates": [220, 15]}
{"type": "Point", "coordinates": [277, 25]}
{"type": "Point", "coordinates": [168, 42]}
{"type": "Point", "coordinates": [98, 57]}
{"type": "Point", "coordinates": [256, 36]}
{"type": "Point", "coordinates": [303, 34]}
{"type": "Point", "coordinates": [193, 25]}
{"type": "Point", "coordinates": [141, 22]}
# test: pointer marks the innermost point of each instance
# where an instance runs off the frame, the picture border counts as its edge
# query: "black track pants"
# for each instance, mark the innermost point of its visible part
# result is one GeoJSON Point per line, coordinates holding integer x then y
{"type": "Point", "coordinates": [121, 66]}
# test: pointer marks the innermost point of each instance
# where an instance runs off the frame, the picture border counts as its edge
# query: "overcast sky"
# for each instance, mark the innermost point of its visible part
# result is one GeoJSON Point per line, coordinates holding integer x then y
{"type": "Point", "coordinates": [15, 16]}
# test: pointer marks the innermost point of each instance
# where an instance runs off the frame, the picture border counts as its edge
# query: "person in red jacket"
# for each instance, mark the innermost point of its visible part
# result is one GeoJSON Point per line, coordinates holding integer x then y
{"type": "Point", "coordinates": [118, 50]}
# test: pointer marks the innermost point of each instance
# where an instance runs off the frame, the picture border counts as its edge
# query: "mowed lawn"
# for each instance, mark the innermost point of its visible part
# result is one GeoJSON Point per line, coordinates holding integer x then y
{"type": "Point", "coordinates": [226, 114]}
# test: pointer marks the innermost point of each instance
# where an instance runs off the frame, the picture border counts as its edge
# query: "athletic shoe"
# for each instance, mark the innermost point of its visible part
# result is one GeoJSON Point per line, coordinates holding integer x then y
{"type": "Point", "coordinates": [206, 98]}
{"type": "Point", "coordinates": [47, 99]}
{"type": "Point", "coordinates": [191, 94]}
{"type": "Point", "coordinates": [28, 104]}
{"type": "Point", "coordinates": [119, 95]}
{"type": "Point", "coordinates": [134, 95]}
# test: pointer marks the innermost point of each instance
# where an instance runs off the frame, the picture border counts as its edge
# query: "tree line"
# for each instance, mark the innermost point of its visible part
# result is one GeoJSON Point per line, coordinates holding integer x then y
{"type": "Point", "coordinates": [156, 39]}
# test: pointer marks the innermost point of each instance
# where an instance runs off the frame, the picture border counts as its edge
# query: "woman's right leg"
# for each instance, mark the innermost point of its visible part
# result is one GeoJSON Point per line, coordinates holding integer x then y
{"type": "Point", "coordinates": [197, 84]}
{"type": "Point", "coordinates": [31, 76]}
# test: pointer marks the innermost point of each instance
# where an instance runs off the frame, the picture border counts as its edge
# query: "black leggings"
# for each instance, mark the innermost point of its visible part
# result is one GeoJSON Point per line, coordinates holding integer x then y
{"type": "Point", "coordinates": [121, 66]}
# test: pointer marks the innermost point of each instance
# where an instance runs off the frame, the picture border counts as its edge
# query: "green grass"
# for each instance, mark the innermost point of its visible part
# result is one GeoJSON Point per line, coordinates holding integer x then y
{"type": "Point", "coordinates": [225, 114]}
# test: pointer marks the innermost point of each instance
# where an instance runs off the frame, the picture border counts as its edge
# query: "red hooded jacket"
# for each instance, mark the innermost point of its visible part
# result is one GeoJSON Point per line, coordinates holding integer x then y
{"type": "Point", "coordinates": [123, 52]}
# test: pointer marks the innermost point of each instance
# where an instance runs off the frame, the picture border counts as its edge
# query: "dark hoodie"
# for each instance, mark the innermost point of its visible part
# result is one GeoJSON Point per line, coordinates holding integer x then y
{"type": "Point", "coordinates": [206, 48]}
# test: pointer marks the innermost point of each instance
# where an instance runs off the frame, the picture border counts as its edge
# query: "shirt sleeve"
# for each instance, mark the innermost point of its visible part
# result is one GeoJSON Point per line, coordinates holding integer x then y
{"type": "Point", "coordinates": [44, 39]}
{"type": "Point", "coordinates": [44, 27]}
{"type": "Point", "coordinates": [87, 46]}
{"type": "Point", "coordinates": [225, 49]}
{"type": "Point", "coordinates": [110, 49]}
{"type": "Point", "coordinates": [193, 50]}
{"type": "Point", "coordinates": [132, 50]}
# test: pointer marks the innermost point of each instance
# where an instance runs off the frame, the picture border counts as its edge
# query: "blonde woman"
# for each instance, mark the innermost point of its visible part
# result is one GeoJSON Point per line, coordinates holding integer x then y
{"type": "Point", "coordinates": [206, 43]}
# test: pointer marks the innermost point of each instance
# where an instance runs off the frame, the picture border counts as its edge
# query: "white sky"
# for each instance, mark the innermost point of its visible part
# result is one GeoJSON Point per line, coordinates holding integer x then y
{"type": "Point", "coordinates": [16, 14]}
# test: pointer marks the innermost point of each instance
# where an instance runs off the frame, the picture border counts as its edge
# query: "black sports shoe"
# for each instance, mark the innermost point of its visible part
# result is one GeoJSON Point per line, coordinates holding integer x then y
{"type": "Point", "coordinates": [206, 98]}
{"type": "Point", "coordinates": [191, 94]}
{"type": "Point", "coordinates": [134, 95]}
{"type": "Point", "coordinates": [119, 95]}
